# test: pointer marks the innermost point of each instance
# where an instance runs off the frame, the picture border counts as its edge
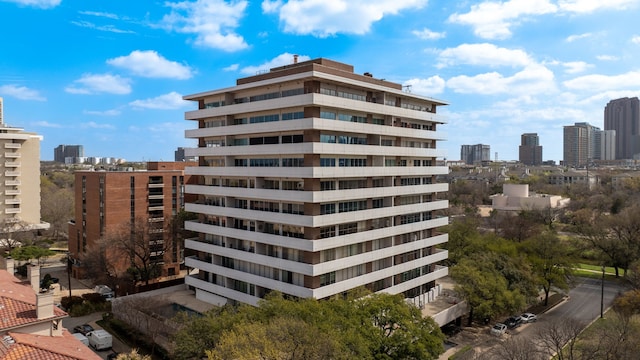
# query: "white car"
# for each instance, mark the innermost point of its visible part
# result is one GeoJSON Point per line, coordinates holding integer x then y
{"type": "Point", "coordinates": [529, 317]}
{"type": "Point", "coordinates": [498, 329]}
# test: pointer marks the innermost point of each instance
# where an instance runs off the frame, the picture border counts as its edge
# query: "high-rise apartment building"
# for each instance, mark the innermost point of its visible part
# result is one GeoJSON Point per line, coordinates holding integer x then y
{"type": "Point", "coordinates": [530, 151]}
{"type": "Point", "coordinates": [68, 153]}
{"type": "Point", "coordinates": [106, 200]}
{"type": "Point", "coordinates": [312, 181]}
{"type": "Point", "coordinates": [607, 144]}
{"type": "Point", "coordinates": [20, 186]}
{"type": "Point", "coordinates": [623, 116]}
{"type": "Point", "coordinates": [179, 155]}
{"type": "Point", "coordinates": [580, 146]}
{"type": "Point", "coordinates": [475, 154]}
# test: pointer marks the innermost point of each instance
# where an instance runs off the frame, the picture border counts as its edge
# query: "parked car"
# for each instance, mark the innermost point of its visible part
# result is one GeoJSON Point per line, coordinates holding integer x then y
{"type": "Point", "coordinates": [529, 317]}
{"type": "Point", "coordinates": [498, 329]}
{"type": "Point", "coordinates": [83, 329]}
{"type": "Point", "coordinates": [513, 322]}
{"type": "Point", "coordinates": [83, 339]}
{"type": "Point", "coordinates": [104, 290]}
{"type": "Point", "coordinates": [100, 339]}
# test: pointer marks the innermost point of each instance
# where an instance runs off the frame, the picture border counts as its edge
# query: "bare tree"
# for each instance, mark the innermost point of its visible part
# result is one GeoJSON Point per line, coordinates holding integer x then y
{"type": "Point", "coordinates": [559, 334]}
{"type": "Point", "coordinates": [15, 233]}
{"type": "Point", "coordinates": [100, 264]}
{"type": "Point", "coordinates": [516, 348]}
{"type": "Point", "coordinates": [144, 314]}
{"type": "Point", "coordinates": [57, 208]}
{"type": "Point", "coordinates": [144, 245]}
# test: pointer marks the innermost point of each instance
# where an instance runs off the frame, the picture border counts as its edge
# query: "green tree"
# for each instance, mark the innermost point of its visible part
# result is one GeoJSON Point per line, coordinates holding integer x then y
{"type": "Point", "coordinates": [31, 252]}
{"type": "Point", "coordinates": [551, 262]}
{"type": "Point", "coordinates": [485, 288]}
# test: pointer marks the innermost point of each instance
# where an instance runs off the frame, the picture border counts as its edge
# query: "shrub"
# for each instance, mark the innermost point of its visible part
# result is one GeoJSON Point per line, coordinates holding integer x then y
{"type": "Point", "coordinates": [93, 298]}
{"type": "Point", "coordinates": [68, 303]}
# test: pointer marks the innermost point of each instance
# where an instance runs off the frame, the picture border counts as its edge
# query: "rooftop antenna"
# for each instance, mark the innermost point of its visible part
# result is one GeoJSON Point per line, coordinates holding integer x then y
{"type": "Point", "coordinates": [407, 88]}
{"type": "Point", "coordinates": [295, 58]}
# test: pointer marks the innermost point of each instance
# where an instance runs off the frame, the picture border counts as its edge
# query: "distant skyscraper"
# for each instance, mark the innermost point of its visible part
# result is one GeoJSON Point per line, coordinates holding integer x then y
{"type": "Point", "coordinates": [530, 150]}
{"type": "Point", "coordinates": [475, 154]}
{"type": "Point", "coordinates": [62, 152]}
{"type": "Point", "coordinates": [580, 144]}
{"type": "Point", "coordinates": [607, 145]}
{"type": "Point", "coordinates": [623, 116]}
{"type": "Point", "coordinates": [180, 156]}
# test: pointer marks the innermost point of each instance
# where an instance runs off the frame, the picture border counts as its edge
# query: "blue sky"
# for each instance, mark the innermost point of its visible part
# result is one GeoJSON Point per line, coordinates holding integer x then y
{"type": "Point", "coordinates": [110, 74]}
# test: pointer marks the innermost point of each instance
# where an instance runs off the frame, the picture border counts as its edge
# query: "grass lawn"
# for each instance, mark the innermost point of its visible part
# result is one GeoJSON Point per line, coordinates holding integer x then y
{"type": "Point", "coordinates": [607, 269]}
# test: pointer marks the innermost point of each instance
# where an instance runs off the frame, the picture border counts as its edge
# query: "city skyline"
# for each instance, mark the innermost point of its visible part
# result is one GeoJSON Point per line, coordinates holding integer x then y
{"type": "Point", "coordinates": [111, 75]}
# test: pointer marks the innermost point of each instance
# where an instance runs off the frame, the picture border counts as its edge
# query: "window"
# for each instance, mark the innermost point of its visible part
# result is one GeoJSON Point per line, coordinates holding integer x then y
{"type": "Point", "coordinates": [328, 278]}
{"type": "Point", "coordinates": [264, 118]}
{"type": "Point", "coordinates": [352, 162]}
{"type": "Point", "coordinates": [293, 208]}
{"type": "Point", "coordinates": [293, 162]}
{"type": "Point", "coordinates": [327, 185]}
{"type": "Point", "coordinates": [352, 118]}
{"type": "Point", "coordinates": [377, 121]}
{"type": "Point", "coordinates": [327, 162]}
{"type": "Point", "coordinates": [327, 209]}
{"type": "Point", "coordinates": [328, 115]}
{"type": "Point", "coordinates": [331, 139]}
{"type": "Point", "coordinates": [264, 162]}
{"type": "Point", "coordinates": [268, 96]}
{"type": "Point", "coordinates": [293, 115]}
{"type": "Point", "coordinates": [292, 139]}
{"type": "Point", "coordinates": [378, 203]}
{"type": "Point", "coordinates": [327, 232]}
{"type": "Point", "coordinates": [292, 92]}
{"type": "Point", "coordinates": [350, 228]}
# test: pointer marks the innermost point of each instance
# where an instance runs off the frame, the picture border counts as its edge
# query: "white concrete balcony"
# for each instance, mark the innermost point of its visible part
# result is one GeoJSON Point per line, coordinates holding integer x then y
{"type": "Point", "coordinates": [249, 278]}
{"type": "Point", "coordinates": [12, 155]}
{"type": "Point", "coordinates": [316, 99]}
{"type": "Point", "coordinates": [328, 125]}
{"type": "Point", "coordinates": [12, 211]}
{"type": "Point", "coordinates": [202, 285]}
{"type": "Point", "coordinates": [12, 182]}
{"type": "Point", "coordinates": [12, 173]}
{"type": "Point", "coordinates": [321, 244]}
{"type": "Point", "coordinates": [318, 172]}
{"type": "Point", "coordinates": [12, 192]}
{"type": "Point", "coordinates": [315, 196]}
{"type": "Point", "coordinates": [156, 197]}
{"type": "Point", "coordinates": [156, 208]}
{"type": "Point", "coordinates": [12, 201]}
{"type": "Point", "coordinates": [11, 164]}
{"type": "Point", "coordinates": [156, 185]}
{"type": "Point", "coordinates": [12, 145]}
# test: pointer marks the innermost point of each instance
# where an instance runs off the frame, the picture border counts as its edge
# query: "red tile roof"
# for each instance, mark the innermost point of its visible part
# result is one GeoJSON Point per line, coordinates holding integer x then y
{"type": "Point", "coordinates": [40, 347]}
{"type": "Point", "coordinates": [16, 313]}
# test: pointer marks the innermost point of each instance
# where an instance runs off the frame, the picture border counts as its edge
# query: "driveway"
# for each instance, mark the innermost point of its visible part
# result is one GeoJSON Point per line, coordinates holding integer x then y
{"type": "Point", "coordinates": [71, 322]}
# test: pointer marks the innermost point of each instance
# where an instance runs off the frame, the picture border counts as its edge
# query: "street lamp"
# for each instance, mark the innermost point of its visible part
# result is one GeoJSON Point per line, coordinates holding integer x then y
{"type": "Point", "coordinates": [602, 295]}
{"type": "Point", "coordinates": [69, 274]}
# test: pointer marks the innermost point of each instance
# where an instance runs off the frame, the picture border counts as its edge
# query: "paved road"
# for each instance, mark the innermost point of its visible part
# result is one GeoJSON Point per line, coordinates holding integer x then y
{"type": "Point", "coordinates": [583, 305]}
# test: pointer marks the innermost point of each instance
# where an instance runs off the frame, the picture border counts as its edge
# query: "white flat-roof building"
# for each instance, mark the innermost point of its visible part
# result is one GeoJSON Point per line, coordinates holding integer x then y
{"type": "Point", "coordinates": [516, 197]}
{"type": "Point", "coordinates": [314, 180]}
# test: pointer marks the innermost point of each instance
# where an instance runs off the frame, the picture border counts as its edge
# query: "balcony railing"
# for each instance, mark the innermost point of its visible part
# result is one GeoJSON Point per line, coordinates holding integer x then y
{"type": "Point", "coordinates": [12, 146]}
{"type": "Point", "coordinates": [12, 155]}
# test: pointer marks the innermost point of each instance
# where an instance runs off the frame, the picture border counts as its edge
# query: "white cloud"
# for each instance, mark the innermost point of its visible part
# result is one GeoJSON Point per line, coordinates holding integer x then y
{"type": "Point", "coordinates": [280, 60]}
{"type": "Point", "coordinates": [430, 86]}
{"type": "Point", "coordinates": [328, 17]}
{"type": "Point", "coordinates": [533, 79]}
{"type": "Point", "coordinates": [635, 39]}
{"type": "Point", "coordinates": [47, 124]}
{"type": "Point", "coordinates": [100, 83]}
{"type": "Point", "coordinates": [152, 65]}
{"type": "Point", "coordinates": [21, 92]}
{"type": "Point", "coordinates": [170, 101]}
{"type": "Point", "coordinates": [112, 112]}
{"type": "Point", "coordinates": [100, 14]}
{"type": "Point", "coordinates": [94, 125]}
{"type": "Point", "coordinates": [493, 20]}
{"type": "Point", "coordinates": [574, 67]}
{"type": "Point", "coordinates": [573, 38]}
{"type": "Point", "coordinates": [109, 28]}
{"type": "Point", "coordinates": [483, 54]}
{"type": "Point", "coordinates": [427, 34]}
{"type": "Point", "coordinates": [212, 21]}
{"type": "Point", "coordinates": [601, 83]}
{"type": "Point", "coordinates": [587, 6]}
{"type": "Point", "coordinates": [232, 67]}
{"type": "Point", "coordinates": [607, 57]}
{"type": "Point", "coordinates": [43, 4]}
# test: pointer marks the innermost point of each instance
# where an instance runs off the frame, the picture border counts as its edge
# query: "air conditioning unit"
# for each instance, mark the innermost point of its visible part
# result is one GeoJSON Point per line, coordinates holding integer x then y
{"type": "Point", "coordinates": [300, 185]}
